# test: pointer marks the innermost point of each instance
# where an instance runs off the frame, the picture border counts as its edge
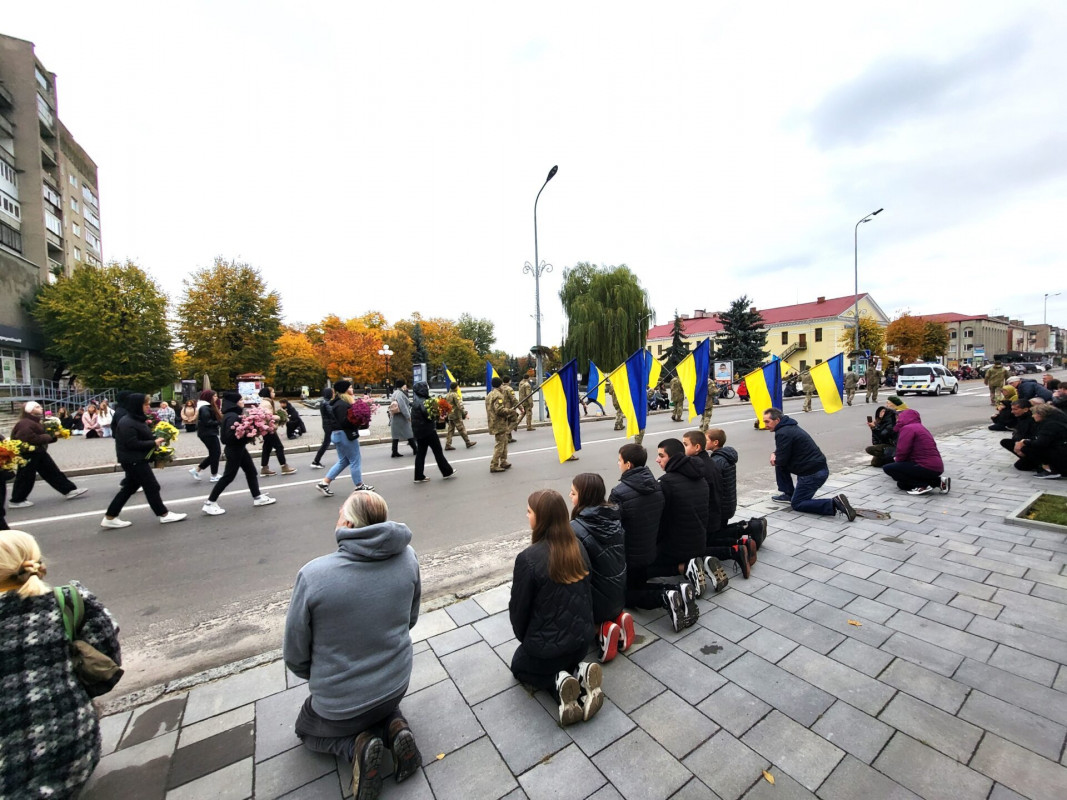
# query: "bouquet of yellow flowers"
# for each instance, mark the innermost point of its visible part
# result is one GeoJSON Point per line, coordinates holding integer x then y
{"type": "Point", "coordinates": [164, 454]}
{"type": "Point", "coordinates": [13, 454]}
{"type": "Point", "coordinates": [53, 426]}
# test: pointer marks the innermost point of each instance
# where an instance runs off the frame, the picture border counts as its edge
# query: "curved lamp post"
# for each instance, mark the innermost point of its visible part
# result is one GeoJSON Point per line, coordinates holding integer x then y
{"type": "Point", "coordinates": [386, 354]}
{"type": "Point", "coordinates": [1044, 317]}
{"type": "Point", "coordinates": [537, 268]}
{"type": "Point", "coordinates": [856, 274]}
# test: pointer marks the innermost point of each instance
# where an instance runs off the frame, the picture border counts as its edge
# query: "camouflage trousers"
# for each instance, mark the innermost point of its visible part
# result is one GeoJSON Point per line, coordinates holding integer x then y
{"type": "Point", "coordinates": [500, 451]}
{"type": "Point", "coordinates": [527, 416]}
{"type": "Point", "coordinates": [676, 412]}
{"type": "Point", "coordinates": [807, 400]}
{"type": "Point", "coordinates": [640, 437]}
{"type": "Point", "coordinates": [456, 428]}
{"type": "Point", "coordinates": [994, 394]}
{"type": "Point", "coordinates": [872, 392]}
{"type": "Point", "coordinates": [850, 394]}
{"type": "Point", "coordinates": [705, 418]}
{"type": "Point", "coordinates": [620, 420]}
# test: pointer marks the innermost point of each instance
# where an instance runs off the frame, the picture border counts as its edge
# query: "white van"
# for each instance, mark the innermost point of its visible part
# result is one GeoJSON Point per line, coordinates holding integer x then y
{"type": "Point", "coordinates": [926, 378]}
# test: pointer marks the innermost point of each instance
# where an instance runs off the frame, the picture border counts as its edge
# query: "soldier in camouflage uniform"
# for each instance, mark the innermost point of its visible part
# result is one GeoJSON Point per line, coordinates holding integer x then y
{"type": "Point", "coordinates": [994, 379]}
{"type": "Point", "coordinates": [852, 380]}
{"type": "Point", "coordinates": [525, 403]}
{"type": "Point", "coordinates": [709, 406]}
{"type": "Point", "coordinates": [874, 382]}
{"type": "Point", "coordinates": [677, 398]}
{"type": "Point", "coordinates": [808, 385]}
{"type": "Point", "coordinates": [455, 418]}
{"type": "Point", "coordinates": [620, 420]}
{"type": "Point", "coordinates": [501, 415]}
{"type": "Point", "coordinates": [513, 404]}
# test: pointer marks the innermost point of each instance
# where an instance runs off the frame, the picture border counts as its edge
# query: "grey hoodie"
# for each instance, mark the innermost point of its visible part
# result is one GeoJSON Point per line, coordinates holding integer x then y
{"type": "Point", "coordinates": [347, 630]}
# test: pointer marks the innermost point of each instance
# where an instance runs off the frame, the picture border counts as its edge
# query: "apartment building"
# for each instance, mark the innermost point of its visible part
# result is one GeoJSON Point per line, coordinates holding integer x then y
{"type": "Point", "coordinates": [49, 202]}
{"type": "Point", "coordinates": [801, 335]}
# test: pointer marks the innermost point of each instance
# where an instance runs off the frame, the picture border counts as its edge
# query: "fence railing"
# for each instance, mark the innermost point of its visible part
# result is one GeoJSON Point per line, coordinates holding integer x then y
{"type": "Point", "coordinates": [52, 395]}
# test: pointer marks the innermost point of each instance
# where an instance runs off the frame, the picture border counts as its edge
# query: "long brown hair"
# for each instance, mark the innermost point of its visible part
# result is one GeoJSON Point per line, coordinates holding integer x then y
{"type": "Point", "coordinates": [212, 399]}
{"type": "Point", "coordinates": [591, 492]}
{"type": "Point", "coordinates": [565, 562]}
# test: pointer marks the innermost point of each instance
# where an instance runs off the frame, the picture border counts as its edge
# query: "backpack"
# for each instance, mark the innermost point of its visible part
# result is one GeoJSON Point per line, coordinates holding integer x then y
{"type": "Point", "coordinates": [96, 671]}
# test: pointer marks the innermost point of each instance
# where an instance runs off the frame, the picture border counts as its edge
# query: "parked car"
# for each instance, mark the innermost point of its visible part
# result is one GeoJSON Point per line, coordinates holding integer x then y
{"type": "Point", "coordinates": [926, 378]}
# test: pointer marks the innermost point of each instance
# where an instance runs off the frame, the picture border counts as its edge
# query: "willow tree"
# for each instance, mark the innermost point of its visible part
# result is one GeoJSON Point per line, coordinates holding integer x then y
{"type": "Point", "coordinates": [607, 314]}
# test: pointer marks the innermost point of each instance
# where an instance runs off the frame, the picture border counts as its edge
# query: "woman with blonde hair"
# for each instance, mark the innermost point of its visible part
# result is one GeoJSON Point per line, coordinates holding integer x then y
{"type": "Point", "coordinates": [347, 633]}
{"type": "Point", "coordinates": [49, 733]}
{"type": "Point", "coordinates": [551, 611]}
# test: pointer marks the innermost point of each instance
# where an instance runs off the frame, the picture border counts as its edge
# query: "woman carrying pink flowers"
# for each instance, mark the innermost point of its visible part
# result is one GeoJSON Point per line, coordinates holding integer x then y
{"type": "Point", "coordinates": [346, 439]}
{"type": "Point", "coordinates": [236, 432]}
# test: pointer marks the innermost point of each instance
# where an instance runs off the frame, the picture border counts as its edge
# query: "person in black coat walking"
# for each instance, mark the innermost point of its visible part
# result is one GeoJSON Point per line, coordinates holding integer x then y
{"type": "Point", "coordinates": [328, 427]}
{"type": "Point", "coordinates": [598, 527]}
{"type": "Point", "coordinates": [134, 443]}
{"type": "Point", "coordinates": [425, 430]}
{"type": "Point", "coordinates": [237, 458]}
{"type": "Point", "coordinates": [551, 611]}
{"type": "Point", "coordinates": [208, 420]}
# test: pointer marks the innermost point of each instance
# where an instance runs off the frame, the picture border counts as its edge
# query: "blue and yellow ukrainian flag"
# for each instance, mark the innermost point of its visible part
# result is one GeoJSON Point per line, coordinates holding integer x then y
{"type": "Point", "coordinates": [765, 388]}
{"type": "Point", "coordinates": [490, 373]}
{"type": "Point", "coordinates": [561, 396]}
{"type": "Point", "coordinates": [451, 379]}
{"type": "Point", "coordinates": [592, 382]}
{"type": "Point", "coordinates": [829, 379]}
{"type": "Point", "coordinates": [693, 373]}
{"type": "Point", "coordinates": [628, 382]}
{"type": "Point", "coordinates": [653, 368]}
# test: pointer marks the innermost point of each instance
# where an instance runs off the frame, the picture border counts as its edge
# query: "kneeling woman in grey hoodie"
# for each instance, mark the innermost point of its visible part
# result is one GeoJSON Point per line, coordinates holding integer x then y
{"type": "Point", "coordinates": [347, 633]}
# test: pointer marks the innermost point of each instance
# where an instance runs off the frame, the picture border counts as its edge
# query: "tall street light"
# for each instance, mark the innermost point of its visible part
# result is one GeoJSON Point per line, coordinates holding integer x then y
{"type": "Point", "coordinates": [386, 353]}
{"type": "Point", "coordinates": [537, 268]}
{"type": "Point", "coordinates": [1044, 317]}
{"type": "Point", "coordinates": [856, 301]}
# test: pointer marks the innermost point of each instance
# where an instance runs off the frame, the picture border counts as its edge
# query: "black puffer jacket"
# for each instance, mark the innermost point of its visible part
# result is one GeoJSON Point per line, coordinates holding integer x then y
{"type": "Point", "coordinates": [133, 438]}
{"type": "Point", "coordinates": [422, 427]}
{"type": "Point", "coordinates": [713, 477]}
{"type": "Point", "coordinates": [549, 619]}
{"type": "Point", "coordinates": [599, 530]}
{"type": "Point", "coordinates": [683, 526]}
{"type": "Point", "coordinates": [207, 424]}
{"type": "Point", "coordinates": [231, 415]}
{"type": "Point", "coordinates": [339, 409]}
{"type": "Point", "coordinates": [1022, 427]}
{"type": "Point", "coordinates": [884, 430]}
{"type": "Point", "coordinates": [640, 500]}
{"type": "Point", "coordinates": [326, 412]}
{"type": "Point", "coordinates": [794, 449]}
{"type": "Point", "coordinates": [726, 458]}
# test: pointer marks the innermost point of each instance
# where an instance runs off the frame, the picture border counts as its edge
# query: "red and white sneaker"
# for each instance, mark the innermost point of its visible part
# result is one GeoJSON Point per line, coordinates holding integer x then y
{"type": "Point", "coordinates": [608, 636]}
{"type": "Point", "coordinates": [626, 624]}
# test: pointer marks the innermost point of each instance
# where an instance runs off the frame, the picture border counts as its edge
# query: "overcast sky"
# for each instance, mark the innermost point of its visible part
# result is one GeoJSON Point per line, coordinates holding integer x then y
{"type": "Point", "coordinates": [386, 156]}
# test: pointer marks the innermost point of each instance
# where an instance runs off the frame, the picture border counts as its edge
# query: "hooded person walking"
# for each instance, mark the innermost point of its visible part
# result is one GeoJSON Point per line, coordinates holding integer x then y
{"type": "Point", "coordinates": [134, 442]}
{"type": "Point", "coordinates": [30, 430]}
{"type": "Point", "coordinates": [425, 430]}
{"type": "Point", "coordinates": [237, 458]}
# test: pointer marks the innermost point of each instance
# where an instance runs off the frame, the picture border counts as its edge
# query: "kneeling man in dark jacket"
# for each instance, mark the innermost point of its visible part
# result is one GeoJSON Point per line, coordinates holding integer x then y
{"type": "Point", "coordinates": [795, 453]}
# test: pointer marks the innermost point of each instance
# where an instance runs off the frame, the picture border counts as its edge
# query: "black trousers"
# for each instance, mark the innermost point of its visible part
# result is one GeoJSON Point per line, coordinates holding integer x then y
{"type": "Point", "coordinates": [3, 501]}
{"type": "Point", "coordinates": [640, 593]}
{"type": "Point", "coordinates": [322, 449]}
{"type": "Point", "coordinates": [338, 737]}
{"type": "Point", "coordinates": [237, 459]}
{"type": "Point", "coordinates": [40, 463]}
{"type": "Point", "coordinates": [433, 443]}
{"type": "Point", "coordinates": [214, 453]}
{"type": "Point", "coordinates": [910, 475]}
{"type": "Point", "coordinates": [139, 475]}
{"type": "Point", "coordinates": [272, 442]}
{"type": "Point", "coordinates": [295, 427]}
{"type": "Point", "coordinates": [411, 444]}
{"type": "Point", "coordinates": [541, 672]}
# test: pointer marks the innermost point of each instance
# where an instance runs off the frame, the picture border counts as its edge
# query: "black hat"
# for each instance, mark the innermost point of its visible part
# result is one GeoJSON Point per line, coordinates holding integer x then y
{"type": "Point", "coordinates": [264, 392]}
{"type": "Point", "coordinates": [232, 397]}
{"type": "Point", "coordinates": [342, 386]}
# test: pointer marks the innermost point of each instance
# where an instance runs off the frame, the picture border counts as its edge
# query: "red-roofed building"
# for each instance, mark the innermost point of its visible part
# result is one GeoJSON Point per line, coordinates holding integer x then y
{"type": "Point", "coordinates": [802, 335]}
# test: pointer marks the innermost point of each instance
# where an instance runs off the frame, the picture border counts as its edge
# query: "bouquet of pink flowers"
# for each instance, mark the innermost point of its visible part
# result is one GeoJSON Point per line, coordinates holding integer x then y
{"type": "Point", "coordinates": [359, 413]}
{"type": "Point", "coordinates": [255, 423]}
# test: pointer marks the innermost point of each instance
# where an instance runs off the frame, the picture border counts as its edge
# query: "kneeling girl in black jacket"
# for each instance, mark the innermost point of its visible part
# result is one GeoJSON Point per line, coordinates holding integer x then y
{"type": "Point", "coordinates": [551, 611]}
{"type": "Point", "coordinates": [599, 528]}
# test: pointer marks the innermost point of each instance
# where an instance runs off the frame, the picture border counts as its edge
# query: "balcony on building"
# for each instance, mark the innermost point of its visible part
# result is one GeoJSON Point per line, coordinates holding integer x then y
{"type": "Point", "coordinates": [51, 181]}
{"type": "Point", "coordinates": [55, 243]}
{"type": "Point", "coordinates": [91, 218]}
{"type": "Point", "coordinates": [55, 267]}
{"type": "Point", "coordinates": [7, 100]}
{"type": "Point", "coordinates": [7, 130]}
{"type": "Point", "coordinates": [46, 117]}
{"type": "Point", "coordinates": [48, 156]}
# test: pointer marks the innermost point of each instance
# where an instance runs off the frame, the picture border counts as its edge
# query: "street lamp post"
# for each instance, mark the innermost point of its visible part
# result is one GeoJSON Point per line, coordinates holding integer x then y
{"type": "Point", "coordinates": [386, 354]}
{"type": "Point", "coordinates": [856, 274]}
{"type": "Point", "coordinates": [537, 268]}
{"type": "Point", "coordinates": [642, 330]}
{"type": "Point", "coordinates": [1044, 317]}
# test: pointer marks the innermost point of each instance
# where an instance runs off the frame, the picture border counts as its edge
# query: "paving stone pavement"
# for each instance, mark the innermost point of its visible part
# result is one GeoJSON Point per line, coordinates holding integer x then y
{"type": "Point", "coordinates": [923, 655]}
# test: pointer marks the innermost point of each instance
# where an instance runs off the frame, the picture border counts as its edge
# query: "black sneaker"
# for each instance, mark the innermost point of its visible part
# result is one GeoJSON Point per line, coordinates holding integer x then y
{"type": "Point", "coordinates": [1047, 475]}
{"type": "Point", "coordinates": [695, 576]}
{"type": "Point", "coordinates": [672, 601]}
{"type": "Point", "coordinates": [782, 498]}
{"type": "Point", "coordinates": [757, 529]}
{"type": "Point", "coordinates": [363, 487]}
{"type": "Point", "coordinates": [689, 601]}
{"type": "Point", "coordinates": [716, 574]}
{"type": "Point", "coordinates": [324, 487]}
{"type": "Point", "coordinates": [367, 767]}
{"type": "Point", "coordinates": [841, 504]}
{"type": "Point", "coordinates": [740, 557]}
{"type": "Point", "coordinates": [406, 756]}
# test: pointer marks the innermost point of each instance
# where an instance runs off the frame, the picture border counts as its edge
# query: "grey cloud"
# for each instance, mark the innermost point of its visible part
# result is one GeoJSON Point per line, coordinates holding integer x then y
{"type": "Point", "coordinates": [895, 90]}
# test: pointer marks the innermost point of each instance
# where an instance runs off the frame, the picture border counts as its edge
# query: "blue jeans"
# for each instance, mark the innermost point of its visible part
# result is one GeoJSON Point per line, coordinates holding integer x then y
{"type": "Point", "coordinates": [803, 494]}
{"type": "Point", "coordinates": [347, 455]}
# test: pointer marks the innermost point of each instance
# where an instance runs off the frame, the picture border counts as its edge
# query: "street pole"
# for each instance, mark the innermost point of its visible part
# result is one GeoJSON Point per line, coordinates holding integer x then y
{"type": "Point", "coordinates": [856, 275]}
{"type": "Point", "coordinates": [385, 352]}
{"type": "Point", "coordinates": [642, 330]}
{"type": "Point", "coordinates": [1044, 317]}
{"type": "Point", "coordinates": [537, 268]}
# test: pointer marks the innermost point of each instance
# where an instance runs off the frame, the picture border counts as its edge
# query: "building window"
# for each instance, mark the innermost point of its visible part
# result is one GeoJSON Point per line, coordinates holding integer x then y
{"type": "Point", "coordinates": [76, 229]}
{"type": "Point", "coordinates": [10, 206]}
{"type": "Point", "coordinates": [818, 361]}
{"type": "Point", "coordinates": [77, 254]}
{"type": "Point", "coordinates": [818, 337]}
{"type": "Point", "coordinates": [803, 365]}
{"type": "Point", "coordinates": [73, 204]}
{"type": "Point", "coordinates": [51, 221]}
{"type": "Point", "coordinates": [10, 237]}
{"type": "Point", "coordinates": [73, 180]}
{"type": "Point", "coordinates": [968, 347]}
{"type": "Point", "coordinates": [42, 81]}
{"type": "Point", "coordinates": [659, 349]}
{"type": "Point", "coordinates": [785, 337]}
{"type": "Point", "coordinates": [968, 334]}
{"type": "Point", "coordinates": [92, 241]}
{"type": "Point", "coordinates": [952, 334]}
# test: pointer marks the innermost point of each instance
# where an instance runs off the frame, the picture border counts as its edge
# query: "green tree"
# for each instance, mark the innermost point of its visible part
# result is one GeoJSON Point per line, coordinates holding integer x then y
{"type": "Point", "coordinates": [677, 350]}
{"type": "Point", "coordinates": [418, 344]}
{"type": "Point", "coordinates": [935, 341]}
{"type": "Point", "coordinates": [743, 338]}
{"type": "Point", "coordinates": [228, 321]}
{"type": "Point", "coordinates": [481, 332]}
{"type": "Point", "coordinates": [872, 337]}
{"type": "Point", "coordinates": [108, 325]}
{"type": "Point", "coordinates": [606, 309]}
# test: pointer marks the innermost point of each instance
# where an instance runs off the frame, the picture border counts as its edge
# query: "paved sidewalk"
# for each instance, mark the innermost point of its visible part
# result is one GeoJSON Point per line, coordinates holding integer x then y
{"type": "Point", "coordinates": [922, 655]}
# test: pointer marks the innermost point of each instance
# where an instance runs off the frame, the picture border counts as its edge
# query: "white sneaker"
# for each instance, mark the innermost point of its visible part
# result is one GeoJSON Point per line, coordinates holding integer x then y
{"type": "Point", "coordinates": [313, 465]}
{"type": "Point", "coordinates": [216, 478]}
{"type": "Point", "coordinates": [170, 516]}
{"type": "Point", "coordinates": [214, 509]}
{"type": "Point", "coordinates": [74, 493]}
{"type": "Point", "coordinates": [195, 473]}
{"type": "Point", "coordinates": [264, 500]}
{"type": "Point", "coordinates": [21, 504]}
{"type": "Point", "coordinates": [114, 523]}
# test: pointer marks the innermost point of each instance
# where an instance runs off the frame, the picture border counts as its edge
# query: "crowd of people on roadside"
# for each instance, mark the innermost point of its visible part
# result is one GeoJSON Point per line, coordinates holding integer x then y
{"type": "Point", "coordinates": [1034, 414]}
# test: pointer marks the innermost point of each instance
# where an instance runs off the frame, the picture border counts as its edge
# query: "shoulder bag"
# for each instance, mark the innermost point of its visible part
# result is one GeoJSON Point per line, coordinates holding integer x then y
{"type": "Point", "coordinates": [97, 672]}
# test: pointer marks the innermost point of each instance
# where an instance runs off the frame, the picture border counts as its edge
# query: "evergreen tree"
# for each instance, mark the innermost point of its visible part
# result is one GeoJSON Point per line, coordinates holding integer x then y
{"type": "Point", "coordinates": [419, 356]}
{"type": "Point", "coordinates": [678, 350]}
{"type": "Point", "coordinates": [743, 337]}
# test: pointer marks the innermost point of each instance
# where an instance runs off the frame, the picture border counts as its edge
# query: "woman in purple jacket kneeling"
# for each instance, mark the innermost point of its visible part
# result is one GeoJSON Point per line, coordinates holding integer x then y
{"type": "Point", "coordinates": [917, 466]}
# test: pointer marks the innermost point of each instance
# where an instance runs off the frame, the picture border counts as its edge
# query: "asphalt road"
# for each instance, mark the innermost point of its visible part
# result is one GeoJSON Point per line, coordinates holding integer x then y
{"type": "Point", "coordinates": [210, 590]}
